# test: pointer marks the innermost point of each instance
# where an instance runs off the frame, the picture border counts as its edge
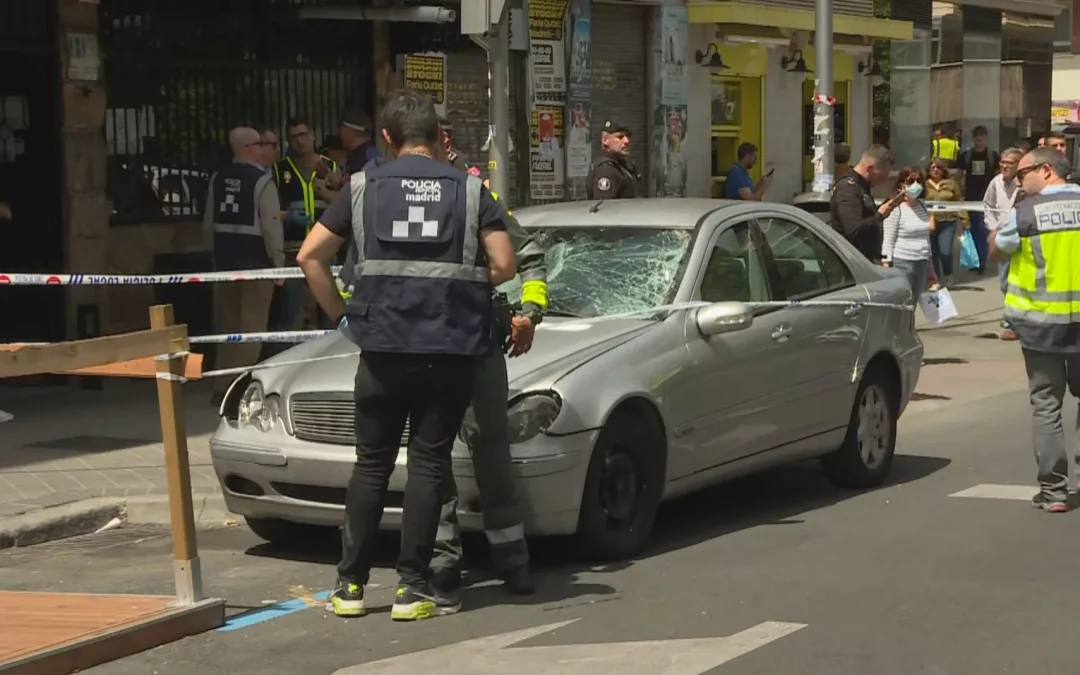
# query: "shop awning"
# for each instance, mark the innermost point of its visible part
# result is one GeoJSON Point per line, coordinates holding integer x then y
{"type": "Point", "coordinates": [747, 14]}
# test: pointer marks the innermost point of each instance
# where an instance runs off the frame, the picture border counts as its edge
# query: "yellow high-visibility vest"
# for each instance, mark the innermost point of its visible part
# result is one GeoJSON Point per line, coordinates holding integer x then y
{"type": "Point", "coordinates": [1042, 299]}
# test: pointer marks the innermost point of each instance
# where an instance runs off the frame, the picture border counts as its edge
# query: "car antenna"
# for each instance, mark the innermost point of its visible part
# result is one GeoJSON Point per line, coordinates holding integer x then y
{"type": "Point", "coordinates": [596, 206]}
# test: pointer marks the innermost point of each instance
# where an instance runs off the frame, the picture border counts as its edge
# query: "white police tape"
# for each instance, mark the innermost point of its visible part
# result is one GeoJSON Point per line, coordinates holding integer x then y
{"type": "Point", "coordinates": [296, 337]}
{"type": "Point", "coordinates": [563, 325]}
{"type": "Point", "coordinates": [273, 273]}
{"type": "Point", "coordinates": [269, 274]}
{"type": "Point", "coordinates": [280, 337]}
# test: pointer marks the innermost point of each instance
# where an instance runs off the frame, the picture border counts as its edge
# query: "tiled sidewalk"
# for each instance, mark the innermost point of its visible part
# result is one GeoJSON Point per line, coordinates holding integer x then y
{"type": "Point", "coordinates": [65, 445]}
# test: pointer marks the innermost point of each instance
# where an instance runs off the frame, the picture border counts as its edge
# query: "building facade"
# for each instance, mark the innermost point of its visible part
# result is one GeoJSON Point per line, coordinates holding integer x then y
{"type": "Point", "coordinates": [114, 113]}
{"type": "Point", "coordinates": [1066, 80]}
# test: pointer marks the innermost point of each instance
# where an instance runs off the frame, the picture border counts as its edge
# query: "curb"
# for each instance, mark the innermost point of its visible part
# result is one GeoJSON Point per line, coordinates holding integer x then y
{"type": "Point", "coordinates": [87, 516]}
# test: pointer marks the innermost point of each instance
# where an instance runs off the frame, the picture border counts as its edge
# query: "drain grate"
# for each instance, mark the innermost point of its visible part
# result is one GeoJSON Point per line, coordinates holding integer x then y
{"type": "Point", "coordinates": [91, 443]}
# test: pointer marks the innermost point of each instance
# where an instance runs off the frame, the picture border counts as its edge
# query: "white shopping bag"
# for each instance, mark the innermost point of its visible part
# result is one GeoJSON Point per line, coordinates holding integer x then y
{"type": "Point", "coordinates": [938, 306]}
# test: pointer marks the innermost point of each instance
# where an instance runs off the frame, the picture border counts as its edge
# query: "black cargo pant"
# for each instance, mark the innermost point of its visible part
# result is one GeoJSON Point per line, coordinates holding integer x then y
{"type": "Point", "coordinates": [432, 392]}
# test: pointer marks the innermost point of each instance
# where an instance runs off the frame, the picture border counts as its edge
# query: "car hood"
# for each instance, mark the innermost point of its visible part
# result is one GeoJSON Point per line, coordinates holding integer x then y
{"type": "Point", "coordinates": [560, 346]}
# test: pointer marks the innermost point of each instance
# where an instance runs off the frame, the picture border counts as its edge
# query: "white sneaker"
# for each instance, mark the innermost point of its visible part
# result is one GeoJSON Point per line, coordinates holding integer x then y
{"type": "Point", "coordinates": [6, 416]}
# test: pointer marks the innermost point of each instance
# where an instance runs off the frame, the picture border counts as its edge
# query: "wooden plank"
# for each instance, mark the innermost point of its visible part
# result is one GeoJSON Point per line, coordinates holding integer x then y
{"type": "Point", "coordinates": [143, 368]}
{"type": "Point", "coordinates": [66, 356]}
{"type": "Point", "coordinates": [116, 641]}
{"type": "Point", "coordinates": [177, 471]}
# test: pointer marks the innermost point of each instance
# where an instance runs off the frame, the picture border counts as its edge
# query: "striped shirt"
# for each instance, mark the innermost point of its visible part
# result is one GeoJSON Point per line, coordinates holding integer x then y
{"type": "Point", "coordinates": [906, 233]}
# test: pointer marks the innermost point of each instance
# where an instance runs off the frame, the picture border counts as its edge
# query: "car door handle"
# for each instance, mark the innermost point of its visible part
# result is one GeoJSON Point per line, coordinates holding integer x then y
{"type": "Point", "coordinates": [853, 311]}
{"type": "Point", "coordinates": [781, 332]}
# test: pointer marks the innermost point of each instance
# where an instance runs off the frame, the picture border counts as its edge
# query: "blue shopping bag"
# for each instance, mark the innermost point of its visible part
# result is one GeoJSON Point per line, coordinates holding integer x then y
{"type": "Point", "coordinates": [969, 255]}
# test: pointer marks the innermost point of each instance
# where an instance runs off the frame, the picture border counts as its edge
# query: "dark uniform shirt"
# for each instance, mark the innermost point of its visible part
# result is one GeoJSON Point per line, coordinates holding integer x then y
{"type": "Point", "coordinates": [853, 213]}
{"type": "Point", "coordinates": [612, 177]}
{"type": "Point", "coordinates": [358, 157]}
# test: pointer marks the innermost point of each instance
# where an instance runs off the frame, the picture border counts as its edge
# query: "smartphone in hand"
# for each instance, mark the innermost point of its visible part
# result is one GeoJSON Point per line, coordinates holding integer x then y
{"type": "Point", "coordinates": [771, 172]}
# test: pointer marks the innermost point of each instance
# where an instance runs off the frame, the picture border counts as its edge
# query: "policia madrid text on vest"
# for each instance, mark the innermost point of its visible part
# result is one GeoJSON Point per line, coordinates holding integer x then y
{"type": "Point", "coordinates": [1042, 304]}
{"type": "Point", "coordinates": [431, 243]}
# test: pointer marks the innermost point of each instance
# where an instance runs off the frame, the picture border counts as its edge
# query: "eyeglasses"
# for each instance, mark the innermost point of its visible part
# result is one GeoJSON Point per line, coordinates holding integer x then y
{"type": "Point", "coordinates": [1022, 173]}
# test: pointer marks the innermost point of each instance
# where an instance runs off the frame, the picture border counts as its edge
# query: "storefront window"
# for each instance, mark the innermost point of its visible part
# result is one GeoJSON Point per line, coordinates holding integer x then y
{"type": "Point", "coordinates": [736, 119]}
{"type": "Point", "coordinates": [909, 99]}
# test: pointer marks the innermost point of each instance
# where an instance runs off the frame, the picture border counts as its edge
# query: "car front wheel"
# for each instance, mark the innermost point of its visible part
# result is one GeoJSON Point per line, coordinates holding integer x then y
{"type": "Point", "coordinates": [865, 458]}
{"type": "Point", "coordinates": [623, 488]}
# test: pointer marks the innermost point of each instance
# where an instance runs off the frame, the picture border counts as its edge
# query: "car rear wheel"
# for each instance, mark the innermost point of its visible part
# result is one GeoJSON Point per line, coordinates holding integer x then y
{"type": "Point", "coordinates": [865, 458]}
{"type": "Point", "coordinates": [623, 488]}
{"type": "Point", "coordinates": [277, 531]}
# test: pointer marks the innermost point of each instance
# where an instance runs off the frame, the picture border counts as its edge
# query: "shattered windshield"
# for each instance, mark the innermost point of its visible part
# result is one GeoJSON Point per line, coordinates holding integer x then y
{"type": "Point", "coordinates": [601, 271]}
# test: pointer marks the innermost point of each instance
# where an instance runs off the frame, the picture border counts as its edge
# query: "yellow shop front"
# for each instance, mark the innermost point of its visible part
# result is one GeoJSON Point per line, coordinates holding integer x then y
{"type": "Point", "coordinates": [745, 86]}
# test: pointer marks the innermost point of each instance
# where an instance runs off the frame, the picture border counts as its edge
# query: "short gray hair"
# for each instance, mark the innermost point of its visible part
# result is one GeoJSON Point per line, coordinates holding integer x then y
{"type": "Point", "coordinates": [1055, 159]}
{"type": "Point", "coordinates": [1012, 151]}
{"type": "Point", "coordinates": [876, 156]}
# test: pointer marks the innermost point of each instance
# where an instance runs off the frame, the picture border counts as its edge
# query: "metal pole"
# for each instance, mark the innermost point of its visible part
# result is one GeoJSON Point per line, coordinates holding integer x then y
{"type": "Point", "coordinates": [823, 101]}
{"type": "Point", "coordinates": [499, 148]}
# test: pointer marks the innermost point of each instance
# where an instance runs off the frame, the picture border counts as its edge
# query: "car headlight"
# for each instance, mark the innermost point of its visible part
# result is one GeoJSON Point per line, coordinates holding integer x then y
{"type": "Point", "coordinates": [258, 410]}
{"type": "Point", "coordinates": [531, 415]}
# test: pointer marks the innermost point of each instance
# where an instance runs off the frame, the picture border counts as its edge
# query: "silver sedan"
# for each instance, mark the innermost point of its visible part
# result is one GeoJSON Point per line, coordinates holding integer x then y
{"type": "Point", "coordinates": [657, 372]}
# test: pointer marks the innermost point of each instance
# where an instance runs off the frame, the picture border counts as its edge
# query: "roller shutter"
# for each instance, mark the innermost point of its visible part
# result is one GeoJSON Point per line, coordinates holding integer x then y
{"type": "Point", "coordinates": [467, 108]}
{"type": "Point", "coordinates": [618, 57]}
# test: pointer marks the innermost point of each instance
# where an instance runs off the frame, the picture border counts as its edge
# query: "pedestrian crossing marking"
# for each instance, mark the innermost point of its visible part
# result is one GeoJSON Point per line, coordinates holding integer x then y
{"type": "Point", "coordinates": [1019, 493]}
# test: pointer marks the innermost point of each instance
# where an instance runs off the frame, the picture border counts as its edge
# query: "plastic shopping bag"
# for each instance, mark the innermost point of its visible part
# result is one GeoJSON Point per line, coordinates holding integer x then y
{"type": "Point", "coordinates": [969, 255]}
{"type": "Point", "coordinates": [938, 306]}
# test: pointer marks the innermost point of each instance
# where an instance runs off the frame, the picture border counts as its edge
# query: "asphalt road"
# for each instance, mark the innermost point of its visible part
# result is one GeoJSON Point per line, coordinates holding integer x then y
{"type": "Point", "coordinates": [899, 581]}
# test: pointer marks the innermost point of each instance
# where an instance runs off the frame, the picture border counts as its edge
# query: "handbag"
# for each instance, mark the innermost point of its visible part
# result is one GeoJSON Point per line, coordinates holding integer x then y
{"type": "Point", "coordinates": [969, 255]}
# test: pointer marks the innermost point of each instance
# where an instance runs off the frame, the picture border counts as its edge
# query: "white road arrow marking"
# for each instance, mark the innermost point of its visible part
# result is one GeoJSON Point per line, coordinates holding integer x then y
{"type": "Point", "coordinates": [490, 656]}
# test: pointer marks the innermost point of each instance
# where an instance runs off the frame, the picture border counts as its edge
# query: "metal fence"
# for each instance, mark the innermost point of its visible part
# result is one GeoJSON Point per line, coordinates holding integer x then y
{"type": "Point", "coordinates": [180, 75]}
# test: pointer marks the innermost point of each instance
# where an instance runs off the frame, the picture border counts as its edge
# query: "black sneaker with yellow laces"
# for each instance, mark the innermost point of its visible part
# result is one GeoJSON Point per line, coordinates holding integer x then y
{"type": "Point", "coordinates": [347, 600]}
{"type": "Point", "coordinates": [414, 604]}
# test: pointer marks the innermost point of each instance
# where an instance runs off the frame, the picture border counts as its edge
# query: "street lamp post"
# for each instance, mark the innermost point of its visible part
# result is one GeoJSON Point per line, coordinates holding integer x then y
{"type": "Point", "coordinates": [824, 103]}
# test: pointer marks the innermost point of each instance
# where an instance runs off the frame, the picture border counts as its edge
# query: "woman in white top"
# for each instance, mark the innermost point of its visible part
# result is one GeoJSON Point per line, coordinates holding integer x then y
{"type": "Point", "coordinates": [906, 238]}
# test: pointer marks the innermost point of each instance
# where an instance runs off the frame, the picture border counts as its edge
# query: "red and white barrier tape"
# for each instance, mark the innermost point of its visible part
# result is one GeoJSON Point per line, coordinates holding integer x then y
{"type": "Point", "coordinates": [19, 279]}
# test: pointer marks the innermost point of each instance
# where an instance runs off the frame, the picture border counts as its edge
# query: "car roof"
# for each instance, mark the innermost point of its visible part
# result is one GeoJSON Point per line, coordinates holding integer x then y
{"type": "Point", "coordinates": [681, 213]}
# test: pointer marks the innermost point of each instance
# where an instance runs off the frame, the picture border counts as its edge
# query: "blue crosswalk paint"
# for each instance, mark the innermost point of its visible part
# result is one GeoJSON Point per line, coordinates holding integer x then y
{"type": "Point", "coordinates": [270, 612]}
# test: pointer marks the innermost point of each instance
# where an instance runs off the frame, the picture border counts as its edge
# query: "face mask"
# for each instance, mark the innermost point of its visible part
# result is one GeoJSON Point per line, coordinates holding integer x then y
{"type": "Point", "coordinates": [914, 190]}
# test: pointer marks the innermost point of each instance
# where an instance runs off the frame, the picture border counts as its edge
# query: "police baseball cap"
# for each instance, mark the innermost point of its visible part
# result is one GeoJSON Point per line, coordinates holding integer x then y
{"type": "Point", "coordinates": [614, 127]}
{"type": "Point", "coordinates": [357, 120]}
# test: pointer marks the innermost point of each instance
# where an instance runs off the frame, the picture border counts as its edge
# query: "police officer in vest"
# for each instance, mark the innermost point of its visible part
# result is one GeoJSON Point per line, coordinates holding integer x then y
{"type": "Point", "coordinates": [613, 175]}
{"type": "Point", "coordinates": [304, 178]}
{"type": "Point", "coordinates": [1041, 240]}
{"type": "Point", "coordinates": [487, 434]}
{"type": "Point", "coordinates": [243, 213]}
{"type": "Point", "coordinates": [432, 244]}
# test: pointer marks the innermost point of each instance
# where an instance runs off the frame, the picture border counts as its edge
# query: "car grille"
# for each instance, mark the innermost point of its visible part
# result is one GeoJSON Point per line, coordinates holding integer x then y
{"type": "Point", "coordinates": [327, 417]}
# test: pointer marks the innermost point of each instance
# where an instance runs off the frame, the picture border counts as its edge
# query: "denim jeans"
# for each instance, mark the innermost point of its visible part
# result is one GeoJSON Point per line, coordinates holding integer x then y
{"type": "Point", "coordinates": [942, 242]}
{"type": "Point", "coordinates": [917, 273]}
{"type": "Point", "coordinates": [979, 234]}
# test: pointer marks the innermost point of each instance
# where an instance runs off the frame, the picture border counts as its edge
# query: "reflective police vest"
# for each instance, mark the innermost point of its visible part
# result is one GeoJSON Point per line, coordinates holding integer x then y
{"type": "Point", "coordinates": [945, 148]}
{"type": "Point", "coordinates": [422, 284]}
{"type": "Point", "coordinates": [238, 234]}
{"type": "Point", "coordinates": [298, 195]}
{"type": "Point", "coordinates": [1042, 301]}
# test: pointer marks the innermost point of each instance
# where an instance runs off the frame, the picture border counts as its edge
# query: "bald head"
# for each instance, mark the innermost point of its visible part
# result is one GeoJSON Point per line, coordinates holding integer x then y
{"type": "Point", "coordinates": [245, 144]}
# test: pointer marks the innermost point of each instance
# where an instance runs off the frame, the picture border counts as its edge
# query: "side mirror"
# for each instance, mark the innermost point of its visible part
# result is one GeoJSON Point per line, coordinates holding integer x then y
{"type": "Point", "coordinates": [724, 317]}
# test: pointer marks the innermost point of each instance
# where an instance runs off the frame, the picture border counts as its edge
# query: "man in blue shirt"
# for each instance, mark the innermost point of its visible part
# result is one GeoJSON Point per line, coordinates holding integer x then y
{"type": "Point", "coordinates": [738, 184]}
